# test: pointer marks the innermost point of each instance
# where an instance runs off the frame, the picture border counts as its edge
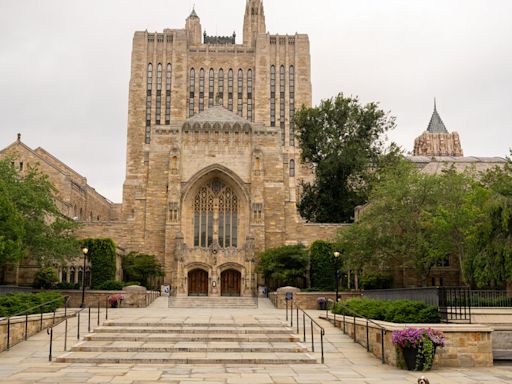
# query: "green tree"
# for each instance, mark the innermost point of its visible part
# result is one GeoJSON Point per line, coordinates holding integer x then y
{"type": "Point", "coordinates": [323, 264]}
{"type": "Point", "coordinates": [286, 265]}
{"type": "Point", "coordinates": [30, 222]}
{"type": "Point", "coordinates": [344, 141]}
{"type": "Point", "coordinates": [142, 268]}
{"type": "Point", "coordinates": [416, 220]}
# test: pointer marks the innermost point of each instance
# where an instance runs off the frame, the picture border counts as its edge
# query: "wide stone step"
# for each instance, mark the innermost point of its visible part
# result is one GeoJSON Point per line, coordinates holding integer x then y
{"type": "Point", "coordinates": [186, 358]}
{"type": "Point", "coordinates": [261, 324]}
{"type": "Point", "coordinates": [213, 302]}
{"type": "Point", "coordinates": [172, 337]}
{"type": "Point", "coordinates": [192, 330]}
{"type": "Point", "coordinates": [120, 346]}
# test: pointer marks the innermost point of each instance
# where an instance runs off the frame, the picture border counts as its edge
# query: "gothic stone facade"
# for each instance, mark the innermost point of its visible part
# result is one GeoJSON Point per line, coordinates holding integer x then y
{"type": "Point", "coordinates": [212, 164]}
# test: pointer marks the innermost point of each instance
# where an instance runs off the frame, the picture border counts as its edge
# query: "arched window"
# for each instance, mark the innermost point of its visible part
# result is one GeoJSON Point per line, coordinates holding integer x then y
{"type": "Point", "coordinates": [282, 104]}
{"type": "Point", "coordinates": [201, 90]}
{"type": "Point", "coordinates": [72, 275]}
{"type": "Point", "coordinates": [215, 207]}
{"type": "Point", "coordinates": [192, 86]}
{"type": "Point", "coordinates": [211, 83]}
{"type": "Point", "coordinates": [292, 168]}
{"type": "Point", "coordinates": [291, 87]}
{"type": "Point", "coordinates": [81, 213]}
{"type": "Point", "coordinates": [272, 96]}
{"type": "Point", "coordinates": [149, 88]}
{"type": "Point", "coordinates": [64, 275]}
{"type": "Point", "coordinates": [230, 90]}
{"type": "Point", "coordinates": [80, 276]}
{"type": "Point", "coordinates": [221, 86]}
{"type": "Point", "coordinates": [240, 95]}
{"type": "Point", "coordinates": [168, 77]}
{"type": "Point", "coordinates": [158, 113]}
{"type": "Point", "coordinates": [249, 95]}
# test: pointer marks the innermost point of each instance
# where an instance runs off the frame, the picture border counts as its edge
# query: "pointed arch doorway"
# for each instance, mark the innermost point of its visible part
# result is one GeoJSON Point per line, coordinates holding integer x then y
{"type": "Point", "coordinates": [230, 282]}
{"type": "Point", "coordinates": [198, 282]}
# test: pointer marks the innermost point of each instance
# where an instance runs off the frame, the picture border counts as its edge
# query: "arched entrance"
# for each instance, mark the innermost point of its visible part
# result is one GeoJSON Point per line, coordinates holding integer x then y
{"type": "Point", "coordinates": [198, 282]}
{"type": "Point", "coordinates": [230, 282]}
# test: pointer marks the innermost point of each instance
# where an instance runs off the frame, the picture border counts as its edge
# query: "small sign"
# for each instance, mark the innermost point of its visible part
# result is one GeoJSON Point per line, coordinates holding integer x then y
{"type": "Point", "coordinates": [166, 290]}
{"type": "Point", "coordinates": [288, 296]}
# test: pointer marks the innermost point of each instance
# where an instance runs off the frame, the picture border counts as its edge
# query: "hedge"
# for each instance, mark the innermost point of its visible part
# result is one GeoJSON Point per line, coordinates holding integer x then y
{"type": "Point", "coordinates": [102, 256]}
{"type": "Point", "coordinates": [395, 311]}
{"type": "Point", "coordinates": [322, 269]}
{"type": "Point", "coordinates": [13, 303]}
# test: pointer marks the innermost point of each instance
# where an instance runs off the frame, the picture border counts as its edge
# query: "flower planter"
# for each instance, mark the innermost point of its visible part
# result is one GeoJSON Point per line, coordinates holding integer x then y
{"type": "Point", "coordinates": [411, 358]}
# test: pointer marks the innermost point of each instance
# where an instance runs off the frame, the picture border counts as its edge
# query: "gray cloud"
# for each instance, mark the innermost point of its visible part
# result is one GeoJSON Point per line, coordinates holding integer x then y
{"type": "Point", "coordinates": [65, 65]}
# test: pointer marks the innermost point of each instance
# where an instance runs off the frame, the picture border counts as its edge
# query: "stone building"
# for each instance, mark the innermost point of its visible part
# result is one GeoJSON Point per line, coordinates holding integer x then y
{"type": "Point", "coordinates": [212, 164]}
{"type": "Point", "coordinates": [75, 199]}
{"type": "Point", "coordinates": [436, 140]}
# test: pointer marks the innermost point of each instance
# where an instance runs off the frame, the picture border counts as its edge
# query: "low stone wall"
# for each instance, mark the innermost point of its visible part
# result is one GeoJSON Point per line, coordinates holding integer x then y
{"type": "Point", "coordinates": [34, 325]}
{"type": "Point", "coordinates": [138, 298]}
{"type": "Point", "coordinates": [308, 300]}
{"type": "Point", "coordinates": [467, 345]}
{"type": "Point", "coordinates": [491, 315]}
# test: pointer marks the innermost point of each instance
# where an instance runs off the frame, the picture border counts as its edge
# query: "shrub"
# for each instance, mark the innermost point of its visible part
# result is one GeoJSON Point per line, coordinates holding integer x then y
{"type": "Point", "coordinates": [376, 281]}
{"type": "Point", "coordinates": [395, 311]}
{"type": "Point", "coordinates": [322, 265]}
{"type": "Point", "coordinates": [142, 268]}
{"type": "Point", "coordinates": [66, 285]}
{"type": "Point", "coordinates": [45, 278]}
{"type": "Point", "coordinates": [111, 285]}
{"type": "Point", "coordinates": [13, 303]}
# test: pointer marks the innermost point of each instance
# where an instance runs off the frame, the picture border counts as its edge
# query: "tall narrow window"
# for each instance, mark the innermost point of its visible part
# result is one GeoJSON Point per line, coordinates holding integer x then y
{"type": "Point", "coordinates": [272, 96]}
{"type": "Point", "coordinates": [168, 78]}
{"type": "Point", "coordinates": [282, 104]}
{"type": "Point", "coordinates": [249, 95]}
{"type": "Point", "coordinates": [149, 88]}
{"type": "Point", "coordinates": [201, 90]}
{"type": "Point", "coordinates": [292, 168]}
{"type": "Point", "coordinates": [158, 113]}
{"type": "Point", "coordinates": [215, 206]}
{"type": "Point", "coordinates": [230, 90]}
{"type": "Point", "coordinates": [211, 82]}
{"type": "Point", "coordinates": [291, 87]}
{"type": "Point", "coordinates": [240, 95]}
{"type": "Point", "coordinates": [192, 87]}
{"type": "Point", "coordinates": [221, 86]}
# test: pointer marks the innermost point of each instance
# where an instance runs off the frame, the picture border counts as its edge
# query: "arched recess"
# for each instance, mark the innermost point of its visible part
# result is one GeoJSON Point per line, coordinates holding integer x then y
{"type": "Point", "coordinates": [231, 277]}
{"type": "Point", "coordinates": [222, 220]}
{"type": "Point", "coordinates": [198, 275]}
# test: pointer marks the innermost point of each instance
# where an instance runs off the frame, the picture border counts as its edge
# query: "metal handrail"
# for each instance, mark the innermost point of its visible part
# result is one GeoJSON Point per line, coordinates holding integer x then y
{"type": "Point", "coordinates": [312, 321]}
{"type": "Point", "coordinates": [30, 311]}
{"type": "Point", "coordinates": [356, 315]}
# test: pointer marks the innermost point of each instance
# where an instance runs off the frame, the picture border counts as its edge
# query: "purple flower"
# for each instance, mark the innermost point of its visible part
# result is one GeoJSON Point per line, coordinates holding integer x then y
{"type": "Point", "coordinates": [413, 337]}
{"type": "Point", "coordinates": [320, 300]}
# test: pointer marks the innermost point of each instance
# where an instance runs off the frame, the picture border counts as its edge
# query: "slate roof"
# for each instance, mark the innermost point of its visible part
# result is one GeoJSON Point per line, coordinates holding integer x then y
{"type": "Point", "coordinates": [436, 125]}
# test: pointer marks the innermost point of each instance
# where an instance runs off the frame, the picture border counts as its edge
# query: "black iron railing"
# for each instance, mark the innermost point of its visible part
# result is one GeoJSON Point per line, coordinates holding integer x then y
{"type": "Point", "coordinates": [311, 321]}
{"type": "Point", "coordinates": [353, 317]}
{"type": "Point", "coordinates": [31, 311]}
{"type": "Point", "coordinates": [490, 298]}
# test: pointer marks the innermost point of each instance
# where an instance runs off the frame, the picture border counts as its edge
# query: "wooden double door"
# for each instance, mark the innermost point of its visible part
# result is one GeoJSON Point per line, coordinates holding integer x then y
{"type": "Point", "coordinates": [198, 282]}
{"type": "Point", "coordinates": [230, 283]}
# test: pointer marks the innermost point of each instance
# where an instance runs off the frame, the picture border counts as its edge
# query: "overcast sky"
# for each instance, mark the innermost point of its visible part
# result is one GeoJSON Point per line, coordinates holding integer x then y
{"type": "Point", "coordinates": [65, 64]}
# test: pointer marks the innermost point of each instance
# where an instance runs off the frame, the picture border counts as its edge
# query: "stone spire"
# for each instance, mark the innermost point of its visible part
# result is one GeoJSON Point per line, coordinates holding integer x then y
{"type": "Point", "coordinates": [193, 27]}
{"type": "Point", "coordinates": [254, 21]}
{"type": "Point", "coordinates": [437, 141]}
{"type": "Point", "coordinates": [436, 124]}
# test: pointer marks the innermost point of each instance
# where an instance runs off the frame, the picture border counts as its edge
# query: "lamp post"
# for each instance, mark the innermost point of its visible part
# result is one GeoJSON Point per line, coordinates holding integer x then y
{"type": "Point", "coordinates": [336, 258]}
{"type": "Point", "coordinates": [84, 251]}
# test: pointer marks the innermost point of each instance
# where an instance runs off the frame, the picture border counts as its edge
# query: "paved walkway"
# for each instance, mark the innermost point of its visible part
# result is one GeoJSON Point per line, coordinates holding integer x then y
{"type": "Point", "coordinates": [345, 362]}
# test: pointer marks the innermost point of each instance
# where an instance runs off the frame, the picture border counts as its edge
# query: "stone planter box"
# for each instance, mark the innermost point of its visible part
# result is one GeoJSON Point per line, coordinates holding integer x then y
{"type": "Point", "coordinates": [307, 300]}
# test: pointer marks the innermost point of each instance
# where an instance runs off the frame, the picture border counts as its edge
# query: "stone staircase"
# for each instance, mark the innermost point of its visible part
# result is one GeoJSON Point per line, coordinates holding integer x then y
{"type": "Point", "coordinates": [213, 302]}
{"type": "Point", "coordinates": [168, 342]}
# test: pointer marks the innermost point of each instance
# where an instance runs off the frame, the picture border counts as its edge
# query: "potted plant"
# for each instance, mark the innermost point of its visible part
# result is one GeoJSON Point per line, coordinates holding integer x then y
{"type": "Point", "coordinates": [115, 300]}
{"type": "Point", "coordinates": [321, 301]}
{"type": "Point", "coordinates": [418, 346]}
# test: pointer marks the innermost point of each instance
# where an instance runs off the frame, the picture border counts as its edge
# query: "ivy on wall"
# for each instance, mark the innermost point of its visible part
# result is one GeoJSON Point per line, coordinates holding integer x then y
{"type": "Point", "coordinates": [323, 265]}
{"type": "Point", "coordinates": [102, 258]}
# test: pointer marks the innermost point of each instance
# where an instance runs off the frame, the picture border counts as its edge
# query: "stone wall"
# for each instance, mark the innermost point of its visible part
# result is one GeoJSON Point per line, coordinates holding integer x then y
{"type": "Point", "coordinates": [93, 297]}
{"type": "Point", "coordinates": [466, 345]}
{"type": "Point", "coordinates": [17, 327]}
